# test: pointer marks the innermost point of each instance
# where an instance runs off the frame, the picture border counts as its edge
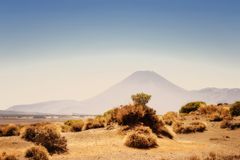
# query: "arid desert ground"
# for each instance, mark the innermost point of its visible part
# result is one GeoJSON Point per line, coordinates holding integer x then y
{"type": "Point", "coordinates": [208, 132]}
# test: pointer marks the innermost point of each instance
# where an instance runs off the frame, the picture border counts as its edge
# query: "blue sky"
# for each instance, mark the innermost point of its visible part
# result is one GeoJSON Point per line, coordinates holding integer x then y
{"type": "Point", "coordinates": [60, 47]}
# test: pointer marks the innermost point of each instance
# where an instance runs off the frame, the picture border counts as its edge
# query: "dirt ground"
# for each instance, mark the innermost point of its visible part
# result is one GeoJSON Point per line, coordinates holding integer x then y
{"type": "Point", "coordinates": [102, 144]}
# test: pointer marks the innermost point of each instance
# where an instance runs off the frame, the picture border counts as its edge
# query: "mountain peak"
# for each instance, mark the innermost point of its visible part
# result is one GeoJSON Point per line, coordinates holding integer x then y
{"type": "Point", "coordinates": [144, 76]}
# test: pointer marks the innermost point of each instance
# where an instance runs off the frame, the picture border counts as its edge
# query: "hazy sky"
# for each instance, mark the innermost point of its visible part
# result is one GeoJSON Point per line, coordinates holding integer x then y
{"type": "Point", "coordinates": [74, 49]}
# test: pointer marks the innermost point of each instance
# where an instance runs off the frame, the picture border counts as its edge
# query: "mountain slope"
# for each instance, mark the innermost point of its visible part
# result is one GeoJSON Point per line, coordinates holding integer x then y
{"type": "Point", "coordinates": [166, 96]}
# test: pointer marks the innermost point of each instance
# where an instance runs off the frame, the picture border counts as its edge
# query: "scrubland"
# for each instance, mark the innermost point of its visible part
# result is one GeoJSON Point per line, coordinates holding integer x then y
{"type": "Point", "coordinates": [199, 131]}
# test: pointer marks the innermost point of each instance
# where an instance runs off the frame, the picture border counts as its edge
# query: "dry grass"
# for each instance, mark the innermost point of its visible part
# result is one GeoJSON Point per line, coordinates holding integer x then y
{"type": "Point", "coordinates": [141, 137]}
{"type": "Point", "coordinates": [37, 153]}
{"type": "Point", "coordinates": [47, 136]}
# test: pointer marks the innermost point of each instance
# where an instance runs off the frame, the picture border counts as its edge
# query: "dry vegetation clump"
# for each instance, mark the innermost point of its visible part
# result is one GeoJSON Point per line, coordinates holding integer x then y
{"type": "Point", "coordinates": [110, 116]}
{"type": "Point", "coordinates": [37, 153]}
{"type": "Point", "coordinates": [181, 128]}
{"type": "Point", "coordinates": [141, 99]}
{"type": "Point", "coordinates": [91, 123]}
{"type": "Point", "coordinates": [141, 137]}
{"type": "Point", "coordinates": [138, 113]}
{"type": "Point", "coordinates": [214, 112]}
{"type": "Point", "coordinates": [215, 117]}
{"type": "Point", "coordinates": [5, 156]}
{"type": "Point", "coordinates": [235, 109]}
{"type": "Point", "coordinates": [192, 106]}
{"type": "Point", "coordinates": [9, 130]}
{"type": "Point", "coordinates": [133, 115]}
{"type": "Point", "coordinates": [47, 136]}
{"type": "Point", "coordinates": [73, 125]}
{"type": "Point", "coordinates": [170, 117]}
{"type": "Point", "coordinates": [230, 124]}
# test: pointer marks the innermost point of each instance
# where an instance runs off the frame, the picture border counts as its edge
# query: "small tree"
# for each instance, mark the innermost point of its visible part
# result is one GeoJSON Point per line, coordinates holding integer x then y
{"type": "Point", "coordinates": [141, 99]}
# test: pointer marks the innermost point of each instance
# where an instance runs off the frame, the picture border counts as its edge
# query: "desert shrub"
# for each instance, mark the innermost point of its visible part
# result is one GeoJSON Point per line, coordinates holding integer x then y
{"type": "Point", "coordinates": [47, 136]}
{"type": "Point", "coordinates": [91, 123]}
{"type": "Point", "coordinates": [170, 117]}
{"type": "Point", "coordinates": [75, 125]}
{"type": "Point", "coordinates": [181, 128]}
{"type": "Point", "coordinates": [130, 114]}
{"type": "Point", "coordinates": [138, 114]}
{"type": "Point", "coordinates": [141, 99]}
{"type": "Point", "coordinates": [141, 137]}
{"type": "Point", "coordinates": [208, 109]}
{"type": "Point", "coordinates": [230, 124]}
{"type": "Point", "coordinates": [5, 156]}
{"type": "Point", "coordinates": [9, 130]}
{"type": "Point", "coordinates": [190, 107]}
{"type": "Point", "coordinates": [235, 109]}
{"type": "Point", "coordinates": [66, 128]}
{"type": "Point", "coordinates": [10, 157]}
{"type": "Point", "coordinates": [37, 153]}
{"type": "Point", "coordinates": [110, 116]}
{"type": "Point", "coordinates": [215, 117]}
{"type": "Point", "coordinates": [12, 130]}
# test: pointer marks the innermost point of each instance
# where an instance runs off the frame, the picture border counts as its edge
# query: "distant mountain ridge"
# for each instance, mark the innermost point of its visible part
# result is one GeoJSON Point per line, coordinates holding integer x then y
{"type": "Point", "coordinates": [166, 96]}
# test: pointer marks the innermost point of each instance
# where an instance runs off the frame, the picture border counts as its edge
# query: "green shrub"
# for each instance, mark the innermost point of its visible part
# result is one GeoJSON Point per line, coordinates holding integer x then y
{"type": "Point", "coordinates": [141, 99]}
{"type": "Point", "coordinates": [47, 136]}
{"type": "Point", "coordinates": [37, 153]}
{"type": "Point", "coordinates": [141, 137]}
{"type": "Point", "coordinates": [235, 109]}
{"type": "Point", "coordinates": [192, 106]}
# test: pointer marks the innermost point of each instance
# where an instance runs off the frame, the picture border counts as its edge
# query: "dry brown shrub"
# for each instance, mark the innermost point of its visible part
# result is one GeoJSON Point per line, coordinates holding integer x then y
{"type": "Point", "coordinates": [170, 117]}
{"type": "Point", "coordinates": [141, 137]}
{"type": "Point", "coordinates": [37, 153]}
{"type": "Point", "coordinates": [47, 136]}
{"type": "Point", "coordinates": [5, 156]}
{"type": "Point", "coordinates": [130, 114]}
{"type": "Point", "coordinates": [9, 130]}
{"type": "Point", "coordinates": [181, 128]}
{"type": "Point", "coordinates": [91, 123]}
{"type": "Point", "coordinates": [214, 112]}
{"type": "Point", "coordinates": [133, 115]}
{"type": "Point", "coordinates": [235, 109]}
{"type": "Point", "coordinates": [110, 116]}
{"type": "Point", "coordinates": [74, 125]}
{"type": "Point", "coordinates": [215, 117]}
{"type": "Point", "coordinates": [230, 124]}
